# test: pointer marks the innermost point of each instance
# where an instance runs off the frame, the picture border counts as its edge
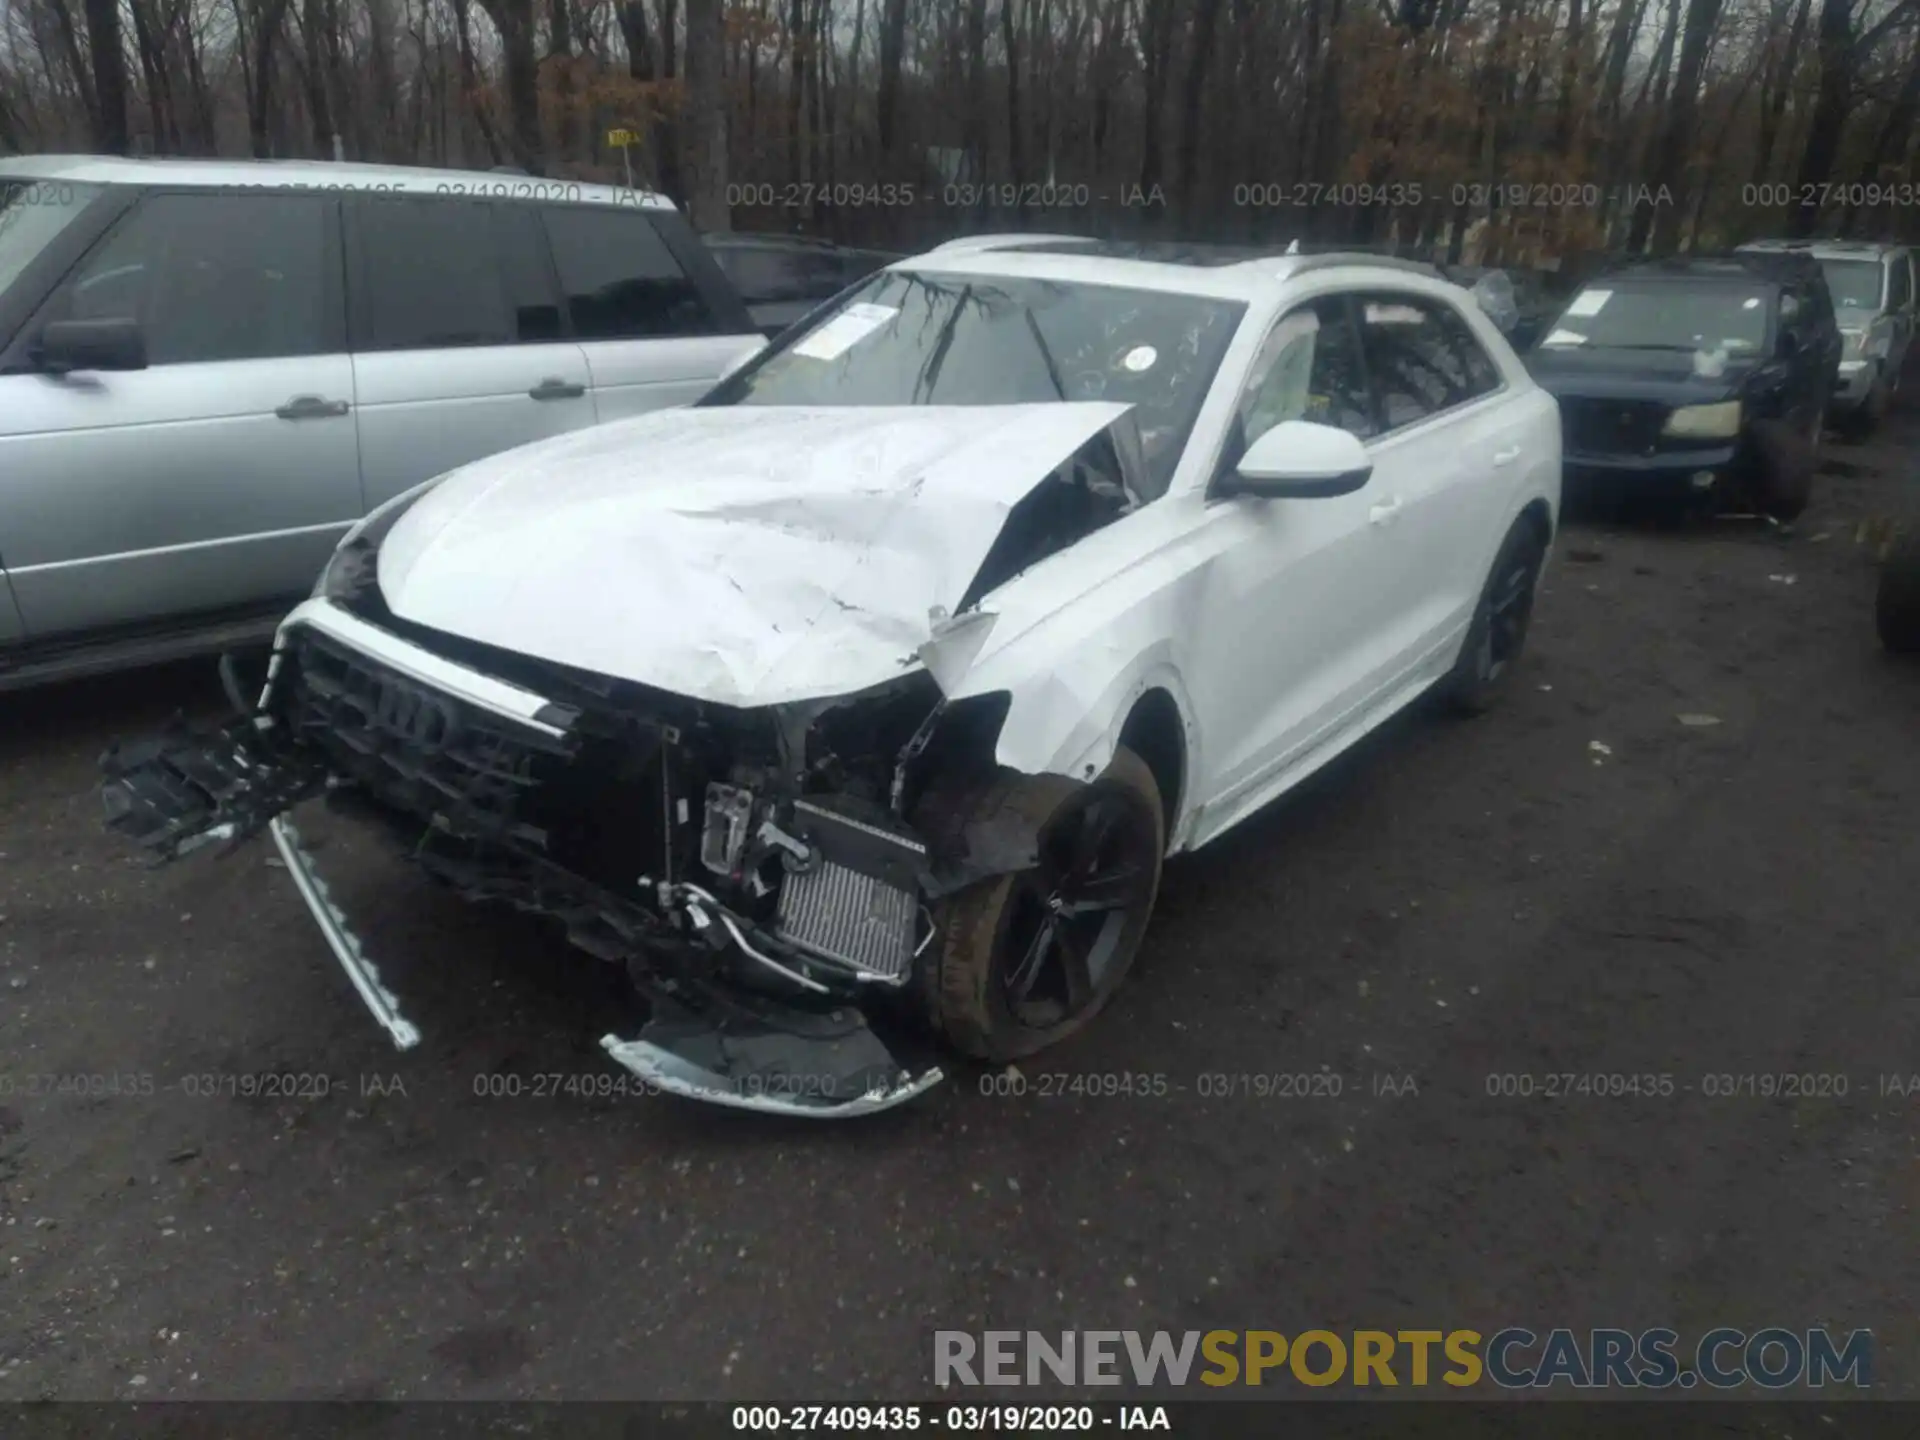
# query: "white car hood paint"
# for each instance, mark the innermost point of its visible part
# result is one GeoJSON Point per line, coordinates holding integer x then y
{"type": "Point", "coordinates": [742, 555]}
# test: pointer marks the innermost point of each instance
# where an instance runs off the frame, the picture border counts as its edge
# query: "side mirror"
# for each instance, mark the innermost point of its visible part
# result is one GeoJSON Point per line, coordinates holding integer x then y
{"type": "Point", "coordinates": [68, 345]}
{"type": "Point", "coordinates": [1299, 460]}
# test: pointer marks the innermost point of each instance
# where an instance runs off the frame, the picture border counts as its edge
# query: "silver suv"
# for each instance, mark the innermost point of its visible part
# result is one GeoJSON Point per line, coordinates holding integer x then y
{"type": "Point", "coordinates": [1873, 288]}
{"type": "Point", "coordinates": [209, 370]}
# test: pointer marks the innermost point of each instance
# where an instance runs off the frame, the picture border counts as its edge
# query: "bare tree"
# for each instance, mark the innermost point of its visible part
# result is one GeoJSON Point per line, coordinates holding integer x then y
{"type": "Point", "coordinates": [1673, 157]}
{"type": "Point", "coordinates": [706, 122]}
{"type": "Point", "coordinates": [520, 71]}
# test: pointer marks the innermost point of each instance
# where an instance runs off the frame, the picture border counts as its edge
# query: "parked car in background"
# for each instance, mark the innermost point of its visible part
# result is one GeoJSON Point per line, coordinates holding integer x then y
{"type": "Point", "coordinates": [1701, 380]}
{"type": "Point", "coordinates": [878, 685]}
{"type": "Point", "coordinates": [1874, 296]}
{"type": "Point", "coordinates": [210, 370]}
{"type": "Point", "coordinates": [782, 278]}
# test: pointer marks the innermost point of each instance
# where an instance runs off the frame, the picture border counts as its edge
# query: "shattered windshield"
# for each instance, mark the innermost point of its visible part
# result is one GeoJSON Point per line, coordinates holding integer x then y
{"type": "Point", "coordinates": [909, 338]}
{"type": "Point", "coordinates": [1711, 315]}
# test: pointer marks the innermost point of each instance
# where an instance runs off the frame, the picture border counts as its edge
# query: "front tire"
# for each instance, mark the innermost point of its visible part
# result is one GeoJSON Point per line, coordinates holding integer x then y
{"type": "Point", "coordinates": [1501, 620]}
{"type": "Point", "coordinates": [1024, 960]}
{"type": "Point", "coordinates": [1897, 604]}
{"type": "Point", "coordinates": [1784, 462]}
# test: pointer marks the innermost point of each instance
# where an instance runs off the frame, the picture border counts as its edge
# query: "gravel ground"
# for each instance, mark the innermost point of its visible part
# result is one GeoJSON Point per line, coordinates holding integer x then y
{"type": "Point", "coordinates": [1582, 882]}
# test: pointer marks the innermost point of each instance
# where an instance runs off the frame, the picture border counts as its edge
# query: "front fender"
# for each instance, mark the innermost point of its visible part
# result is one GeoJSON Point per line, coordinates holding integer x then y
{"type": "Point", "coordinates": [1066, 720]}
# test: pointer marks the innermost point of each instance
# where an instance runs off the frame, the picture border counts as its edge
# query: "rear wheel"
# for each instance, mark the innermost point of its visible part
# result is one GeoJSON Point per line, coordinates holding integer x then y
{"type": "Point", "coordinates": [1500, 621]}
{"type": "Point", "coordinates": [1897, 606]}
{"type": "Point", "coordinates": [1024, 960]}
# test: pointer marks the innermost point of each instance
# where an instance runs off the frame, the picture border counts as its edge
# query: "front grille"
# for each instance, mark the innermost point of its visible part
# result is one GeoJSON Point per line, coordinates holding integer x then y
{"type": "Point", "coordinates": [602, 808]}
{"type": "Point", "coordinates": [1611, 427]}
{"type": "Point", "coordinates": [421, 750]}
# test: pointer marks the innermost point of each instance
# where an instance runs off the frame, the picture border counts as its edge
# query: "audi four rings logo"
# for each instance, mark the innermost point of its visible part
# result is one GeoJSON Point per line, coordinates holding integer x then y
{"type": "Point", "coordinates": [416, 715]}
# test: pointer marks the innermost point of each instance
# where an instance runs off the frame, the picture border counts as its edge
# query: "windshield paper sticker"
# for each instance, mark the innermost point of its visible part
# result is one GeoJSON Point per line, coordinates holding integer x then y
{"type": "Point", "coordinates": [845, 330]}
{"type": "Point", "coordinates": [1141, 358]}
{"type": "Point", "coordinates": [1589, 302]}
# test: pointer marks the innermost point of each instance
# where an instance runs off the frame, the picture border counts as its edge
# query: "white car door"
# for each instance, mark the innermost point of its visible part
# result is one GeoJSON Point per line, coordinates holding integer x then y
{"type": "Point", "coordinates": [1453, 439]}
{"type": "Point", "coordinates": [458, 346]}
{"type": "Point", "coordinates": [1291, 644]}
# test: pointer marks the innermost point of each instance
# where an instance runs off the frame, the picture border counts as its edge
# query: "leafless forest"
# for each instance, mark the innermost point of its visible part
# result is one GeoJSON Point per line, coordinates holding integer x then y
{"type": "Point", "coordinates": [1523, 126]}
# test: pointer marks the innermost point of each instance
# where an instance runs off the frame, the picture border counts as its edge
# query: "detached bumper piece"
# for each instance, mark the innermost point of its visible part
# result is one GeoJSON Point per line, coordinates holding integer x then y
{"type": "Point", "coordinates": [816, 1065]}
{"type": "Point", "coordinates": [179, 791]}
{"type": "Point", "coordinates": [340, 938]}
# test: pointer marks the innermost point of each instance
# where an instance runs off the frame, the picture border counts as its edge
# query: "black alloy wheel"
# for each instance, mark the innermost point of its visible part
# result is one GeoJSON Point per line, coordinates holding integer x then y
{"type": "Point", "coordinates": [1023, 960]}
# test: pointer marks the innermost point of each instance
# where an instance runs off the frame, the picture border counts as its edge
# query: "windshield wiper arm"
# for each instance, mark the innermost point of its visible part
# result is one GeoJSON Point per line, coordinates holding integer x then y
{"type": "Point", "coordinates": [930, 376]}
{"type": "Point", "coordinates": [1046, 355]}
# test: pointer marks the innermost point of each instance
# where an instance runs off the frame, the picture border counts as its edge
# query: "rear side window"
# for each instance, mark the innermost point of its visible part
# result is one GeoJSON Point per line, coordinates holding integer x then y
{"type": "Point", "coordinates": [1423, 357]}
{"type": "Point", "coordinates": [761, 273]}
{"type": "Point", "coordinates": [213, 277]}
{"type": "Point", "coordinates": [620, 279]}
{"type": "Point", "coordinates": [1482, 375]}
{"type": "Point", "coordinates": [826, 274]}
{"type": "Point", "coordinates": [1899, 283]}
{"type": "Point", "coordinates": [429, 276]}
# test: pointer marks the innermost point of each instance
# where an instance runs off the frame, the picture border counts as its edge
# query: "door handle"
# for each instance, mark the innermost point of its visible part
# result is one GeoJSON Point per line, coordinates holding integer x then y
{"type": "Point", "coordinates": [1385, 512]}
{"type": "Point", "coordinates": [311, 407]}
{"type": "Point", "coordinates": [1507, 456]}
{"type": "Point", "coordinates": [554, 388]}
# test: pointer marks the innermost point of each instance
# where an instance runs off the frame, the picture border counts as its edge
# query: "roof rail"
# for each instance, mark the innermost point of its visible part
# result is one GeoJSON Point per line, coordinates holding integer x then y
{"type": "Point", "coordinates": [1005, 240]}
{"type": "Point", "coordinates": [1327, 260]}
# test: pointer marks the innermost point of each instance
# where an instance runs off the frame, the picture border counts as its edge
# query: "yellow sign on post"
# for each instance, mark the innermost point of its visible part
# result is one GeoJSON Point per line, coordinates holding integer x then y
{"type": "Point", "coordinates": [624, 141]}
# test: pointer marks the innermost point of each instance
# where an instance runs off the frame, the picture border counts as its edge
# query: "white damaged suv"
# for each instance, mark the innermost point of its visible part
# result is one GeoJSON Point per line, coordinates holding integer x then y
{"type": "Point", "coordinates": [864, 699]}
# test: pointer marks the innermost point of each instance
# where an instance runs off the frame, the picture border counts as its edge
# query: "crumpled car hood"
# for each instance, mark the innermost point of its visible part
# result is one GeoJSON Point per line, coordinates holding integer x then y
{"type": "Point", "coordinates": [741, 555]}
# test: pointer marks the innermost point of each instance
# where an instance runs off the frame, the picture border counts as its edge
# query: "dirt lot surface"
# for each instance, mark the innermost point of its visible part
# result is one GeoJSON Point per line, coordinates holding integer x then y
{"type": "Point", "coordinates": [1580, 883]}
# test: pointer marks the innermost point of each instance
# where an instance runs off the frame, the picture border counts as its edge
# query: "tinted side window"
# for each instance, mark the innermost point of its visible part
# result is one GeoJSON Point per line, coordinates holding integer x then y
{"type": "Point", "coordinates": [822, 275]}
{"type": "Point", "coordinates": [213, 277]}
{"type": "Point", "coordinates": [759, 273]}
{"type": "Point", "coordinates": [427, 275]}
{"type": "Point", "coordinates": [1308, 369]}
{"type": "Point", "coordinates": [1482, 375]}
{"type": "Point", "coordinates": [1412, 352]}
{"type": "Point", "coordinates": [1899, 283]}
{"type": "Point", "coordinates": [621, 280]}
{"type": "Point", "coordinates": [531, 298]}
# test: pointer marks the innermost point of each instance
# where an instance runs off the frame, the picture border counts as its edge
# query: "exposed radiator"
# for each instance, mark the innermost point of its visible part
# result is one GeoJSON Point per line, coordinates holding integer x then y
{"type": "Point", "coordinates": [857, 902]}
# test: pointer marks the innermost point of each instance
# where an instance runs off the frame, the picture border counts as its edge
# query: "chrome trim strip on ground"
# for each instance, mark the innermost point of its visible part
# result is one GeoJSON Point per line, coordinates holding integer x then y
{"type": "Point", "coordinates": [341, 940]}
{"type": "Point", "coordinates": [681, 1077]}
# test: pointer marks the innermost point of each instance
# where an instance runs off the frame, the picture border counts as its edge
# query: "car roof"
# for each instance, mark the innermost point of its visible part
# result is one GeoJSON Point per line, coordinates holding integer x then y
{"type": "Point", "coordinates": [317, 174]}
{"type": "Point", "coordinates": [737, 239]}
{"type": "Point", "coordinates": [1680, 269]}
{"type": "Point", "coordinates": [1826, 249]}
{"type": "Point", "coordinates": [1244, 273]}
